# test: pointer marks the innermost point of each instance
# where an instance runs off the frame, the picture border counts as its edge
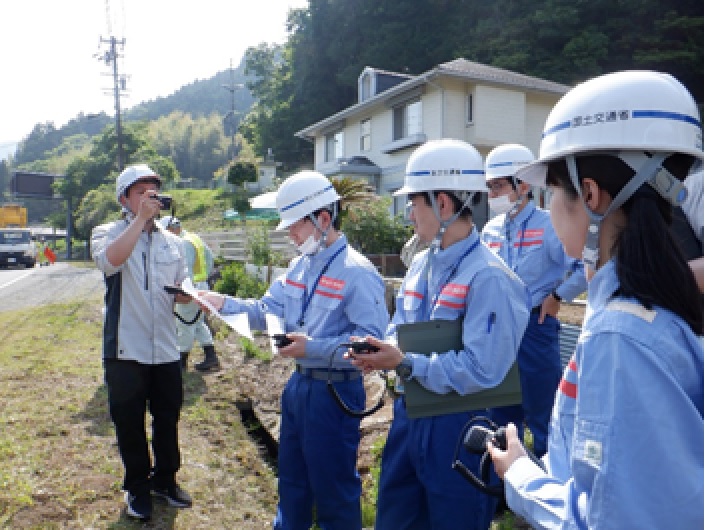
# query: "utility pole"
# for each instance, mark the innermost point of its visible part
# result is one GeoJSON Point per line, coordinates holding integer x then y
{"type": "Point", "coordinates": [230, 121]}
{"type": "Point", "coordinates": [110, 58]}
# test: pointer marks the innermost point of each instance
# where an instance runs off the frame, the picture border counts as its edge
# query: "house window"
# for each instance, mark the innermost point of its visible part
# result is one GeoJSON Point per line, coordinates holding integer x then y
{"type": "Point", "coordinates": [366, 88]}
{"type": "Point", "coordinates": [334, 146]}
{"type": "Point", "coordinates": [399, 206]}
{"type": "Point", "coordinates": [469, 109]}
{"type": "Point", "coordinates": [407, 120]}
{"type": "Point", "coordinates": [365, 135]}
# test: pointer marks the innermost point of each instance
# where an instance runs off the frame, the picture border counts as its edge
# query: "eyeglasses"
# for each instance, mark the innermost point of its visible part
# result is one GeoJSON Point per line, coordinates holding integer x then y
{"type": "Point", "coordinates": [497, 185]}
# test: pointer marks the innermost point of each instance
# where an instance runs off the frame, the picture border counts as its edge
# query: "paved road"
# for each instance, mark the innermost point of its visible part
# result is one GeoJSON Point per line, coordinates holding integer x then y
{"type": "Point", "coordinates": [22, 288]}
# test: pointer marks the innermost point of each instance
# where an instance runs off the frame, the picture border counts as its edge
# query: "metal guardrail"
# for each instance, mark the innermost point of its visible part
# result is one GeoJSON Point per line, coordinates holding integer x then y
{"type": "Point", "coordinates": [232, 244]}
{"type": "Point", "coordinates": [568, 336]}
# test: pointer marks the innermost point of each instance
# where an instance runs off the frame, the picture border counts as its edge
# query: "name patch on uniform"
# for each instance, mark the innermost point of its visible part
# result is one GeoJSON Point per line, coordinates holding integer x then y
{"type": "Point", "coordinates": [532, 232]}
{"type": "Point", "coordinates": [332, 283]}
{"type": "Point", "coordinates": [457, 290]}
{"type": "Point", "coordinates": [593, 453]}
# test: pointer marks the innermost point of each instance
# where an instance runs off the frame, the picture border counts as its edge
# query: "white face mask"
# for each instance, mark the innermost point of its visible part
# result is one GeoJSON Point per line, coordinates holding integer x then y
{"type": "Point", "coordinates": [500, 205]}
{"type": "Point", "coordinates": [309, 247]}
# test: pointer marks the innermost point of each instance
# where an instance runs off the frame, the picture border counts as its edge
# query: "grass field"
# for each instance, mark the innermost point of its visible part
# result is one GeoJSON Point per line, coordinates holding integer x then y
{"type": "Point", "coordinates": [59, 463]}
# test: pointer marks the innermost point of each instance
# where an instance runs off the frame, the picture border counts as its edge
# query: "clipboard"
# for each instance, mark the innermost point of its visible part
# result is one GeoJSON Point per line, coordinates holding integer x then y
{"type": "Point", "coordinates": [442, 336]}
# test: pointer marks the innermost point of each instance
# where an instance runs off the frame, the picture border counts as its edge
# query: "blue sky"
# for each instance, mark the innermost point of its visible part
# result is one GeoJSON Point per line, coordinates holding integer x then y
{"type": "Point", "coordinates": [47, 47]}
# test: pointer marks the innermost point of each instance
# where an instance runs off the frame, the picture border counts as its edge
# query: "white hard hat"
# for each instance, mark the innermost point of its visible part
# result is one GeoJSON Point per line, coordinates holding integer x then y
{"type": "Point", "coordinates": [505, 160]}
{"type": "Point", "coordinates": [132, 174]}
{"type": "Point", "coordinates": [446, 164]}
{"type": "Point", "coordinates": [301, 194]}
{"type": "Point", "coordinates": [638, 111]}
{"type": "Point", "coordinates": [264, 200]}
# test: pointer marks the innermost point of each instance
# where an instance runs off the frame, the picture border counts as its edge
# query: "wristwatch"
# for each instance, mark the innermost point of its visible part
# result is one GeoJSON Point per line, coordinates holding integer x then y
{"type": "Point", "coordinates": [404, 369]}
{"type": "Point", "coordinates": [556, 296]}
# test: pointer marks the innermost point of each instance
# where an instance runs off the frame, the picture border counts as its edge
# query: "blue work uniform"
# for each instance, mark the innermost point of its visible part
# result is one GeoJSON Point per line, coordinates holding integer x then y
{"type": "Point", "coordinates": [531, 248]}
{"type": "Point", "coordinates": [627, 432]}
{"type": "Point", "coordinates": [330, 296]}
{"type": "Point", "coordinates": [418, 489]}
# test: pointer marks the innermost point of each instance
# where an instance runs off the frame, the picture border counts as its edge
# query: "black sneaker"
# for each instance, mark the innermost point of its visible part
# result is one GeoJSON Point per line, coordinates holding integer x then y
{"type": "Point", "coordinates": [139, 506]}
{"type": "Point", "coordinates": [174, 495]}
{"type": "Point", "coordinates": [211, 364]}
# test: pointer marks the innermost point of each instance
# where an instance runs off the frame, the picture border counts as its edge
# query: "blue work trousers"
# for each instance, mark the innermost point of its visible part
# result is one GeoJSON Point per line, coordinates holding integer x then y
{"type": "Point", "coordinates": [418, 489]}
{"type": "Point", "coordinates": [317, 456]}
{"type": "Point", "coordinates": [540, 371]}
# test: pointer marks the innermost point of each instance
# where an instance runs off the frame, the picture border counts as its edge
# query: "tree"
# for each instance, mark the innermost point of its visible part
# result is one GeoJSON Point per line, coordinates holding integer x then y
{"type": "Point", "coordinates": [238, 174]}
{"type": "Point", "coordinates": [242, 172]}
{"type": "Point", "coordinates": [314, 74]}
{"type": "Point", "coordinates": [97, 205]}
{"type": "Point", "coordinates": [371, 229]}
{"type": "Point", "coordinates": [4, 178]}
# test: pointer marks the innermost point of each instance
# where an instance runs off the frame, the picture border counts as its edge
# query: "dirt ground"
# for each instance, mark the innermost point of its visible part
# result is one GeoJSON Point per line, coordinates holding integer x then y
{"type": "Point", "coordinates": [260, 384]}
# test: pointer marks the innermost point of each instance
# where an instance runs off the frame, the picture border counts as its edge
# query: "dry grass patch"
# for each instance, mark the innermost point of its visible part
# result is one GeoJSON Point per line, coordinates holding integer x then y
{"type": "Point", "coordinates": [61, 467]}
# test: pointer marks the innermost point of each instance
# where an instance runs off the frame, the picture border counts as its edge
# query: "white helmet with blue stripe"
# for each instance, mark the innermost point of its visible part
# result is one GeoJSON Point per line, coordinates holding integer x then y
{"type": "Point", "coordinates": [506, 160]}
{"type": "Point", "coordinates": [302, 194]}
{"type": "Point", "coordinates": [447, 164]}
{"type": "Point", "coordinates": [640, 117]}
{"type": "Point", "coordinates": [637, 111]}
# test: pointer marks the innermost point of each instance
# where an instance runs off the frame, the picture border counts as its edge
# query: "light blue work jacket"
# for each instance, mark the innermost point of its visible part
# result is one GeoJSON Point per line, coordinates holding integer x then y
{"type": "Point", "coordinates": [531, 248]}
{"type": "Point", "coordinates": [347, 299]}
{"type": "Point", "coordinates": [626, 441]}
{"type": "Point", "coordinates": [468, 281]}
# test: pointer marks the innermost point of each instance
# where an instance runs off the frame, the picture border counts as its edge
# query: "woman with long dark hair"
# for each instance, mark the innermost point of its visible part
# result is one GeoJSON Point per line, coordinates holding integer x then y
{"type": "Point", "coordinates": [627, 434]}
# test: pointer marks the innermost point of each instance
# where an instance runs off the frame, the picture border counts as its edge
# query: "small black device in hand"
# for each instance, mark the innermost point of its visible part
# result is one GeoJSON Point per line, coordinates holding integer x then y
{"type": "Point", "coordinates": [477, 438]}
{"type": "Point", "coordinates": [281, 340]}
{"type": "Point", "coordinates": [173, 289]}
{"type": "Point", "coordinates": [360, 346]}
{"type": "Point", "coordinates": [165, 201]}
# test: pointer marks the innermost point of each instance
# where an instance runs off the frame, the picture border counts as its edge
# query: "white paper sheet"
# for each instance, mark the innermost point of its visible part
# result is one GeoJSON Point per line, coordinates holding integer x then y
{"type": "Point", "coordinates": [238, 322]}
{"type": "Point", "coordinates": [275, 325]}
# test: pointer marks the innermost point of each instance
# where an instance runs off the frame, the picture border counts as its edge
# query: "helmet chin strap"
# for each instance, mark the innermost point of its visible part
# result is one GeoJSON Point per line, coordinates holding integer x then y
{"type": "Point", "coordinates": [648, 171]}
{"type": "Point", "coordinates": [324, 233]}
{"type": "Point", "coordinates": [516, 206]}
{"type": "Point", "coordinates": [443, 225]}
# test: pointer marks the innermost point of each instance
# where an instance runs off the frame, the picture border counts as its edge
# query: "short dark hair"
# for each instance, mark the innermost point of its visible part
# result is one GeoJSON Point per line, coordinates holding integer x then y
{"type": "Point", "coordinates": [337, 221]}
{"type": "Point", "coordinates": [466, 212]}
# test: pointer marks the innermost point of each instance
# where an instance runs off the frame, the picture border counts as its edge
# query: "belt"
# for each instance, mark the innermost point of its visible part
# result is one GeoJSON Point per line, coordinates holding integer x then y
{"type": "Point", "coordinates": [322, 374]}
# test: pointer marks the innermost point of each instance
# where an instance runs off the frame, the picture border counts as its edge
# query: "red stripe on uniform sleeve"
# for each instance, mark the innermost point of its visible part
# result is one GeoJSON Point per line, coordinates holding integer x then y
{"type": "Point", "coordinates": [568, 389]}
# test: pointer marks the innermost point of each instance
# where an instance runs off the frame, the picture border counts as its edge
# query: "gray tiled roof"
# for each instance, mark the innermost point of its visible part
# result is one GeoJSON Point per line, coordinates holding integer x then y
{"type": "Point", "coordinates": [461, 68]}
{"type": "Point", "coordinates": [483, 72]}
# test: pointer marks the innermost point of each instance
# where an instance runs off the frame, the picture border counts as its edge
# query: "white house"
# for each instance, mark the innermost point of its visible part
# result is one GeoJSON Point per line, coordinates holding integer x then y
{"type": "Point", "coordinates": [395, 113]}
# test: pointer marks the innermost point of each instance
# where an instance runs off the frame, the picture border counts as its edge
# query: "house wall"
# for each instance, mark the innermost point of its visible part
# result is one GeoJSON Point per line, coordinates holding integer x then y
{"type": "Point", "coordinates": [500, 115]}
{"type": "Point", "coordinates": [538, 108]}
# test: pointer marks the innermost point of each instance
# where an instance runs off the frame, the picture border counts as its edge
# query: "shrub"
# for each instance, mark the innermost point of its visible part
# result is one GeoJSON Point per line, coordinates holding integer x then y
{"type": "Point", "coordinates": [258, 246]}
{"type": "Point", "coordinates": [235, 281]}
{"type": "Point", "coordinates": [372, 230]}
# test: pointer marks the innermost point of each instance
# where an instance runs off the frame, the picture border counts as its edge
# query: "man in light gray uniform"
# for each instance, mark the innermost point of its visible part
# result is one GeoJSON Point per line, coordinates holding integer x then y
{"type": "Point", "coordinates": [140, 354]}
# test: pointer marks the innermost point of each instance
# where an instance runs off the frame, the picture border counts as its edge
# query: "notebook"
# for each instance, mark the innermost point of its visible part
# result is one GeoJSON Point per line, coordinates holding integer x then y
{"type": "Point", "coordinates": [442, 336]}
